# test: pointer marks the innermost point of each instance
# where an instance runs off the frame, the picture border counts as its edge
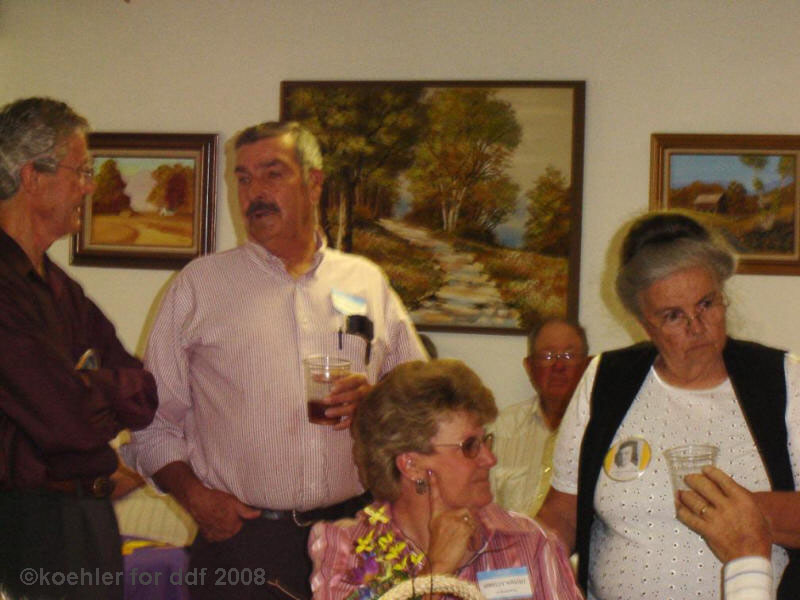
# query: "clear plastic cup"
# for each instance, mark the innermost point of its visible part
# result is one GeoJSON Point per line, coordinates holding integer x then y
{"type": "Point", "coordinates": [685, 460]}
{"type": "Point", "coordinates": [321, 371]}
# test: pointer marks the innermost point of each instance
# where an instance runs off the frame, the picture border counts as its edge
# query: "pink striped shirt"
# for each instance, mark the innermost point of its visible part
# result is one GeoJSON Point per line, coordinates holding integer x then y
{"type": "Point", "coordinates": [226, 350]}
{"type": "Point", "coordinates": [511, 540]}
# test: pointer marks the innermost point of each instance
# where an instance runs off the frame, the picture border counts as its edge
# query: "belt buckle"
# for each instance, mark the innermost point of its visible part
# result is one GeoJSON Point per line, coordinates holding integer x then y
{"type": "Point", "coordinates": [273, 515]}
{"type": "Point", "coordinates": [298, 519]}
{"type": "Point", "coordinates": [101, 487]}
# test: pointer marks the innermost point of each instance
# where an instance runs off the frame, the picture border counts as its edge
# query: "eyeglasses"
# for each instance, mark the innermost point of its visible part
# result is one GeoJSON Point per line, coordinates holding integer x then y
{"type": "Point", "coordinates": [471, 446]}
{"type": "Point", "coordinates": [85, 172]}
{"type": "Point", "coordinates": [548, 358]}
{"type": "Point", "coordinates": [675, 320]}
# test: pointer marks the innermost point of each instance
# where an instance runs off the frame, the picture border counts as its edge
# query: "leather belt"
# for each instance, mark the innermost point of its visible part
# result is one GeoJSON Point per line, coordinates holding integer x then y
{"type": "Point", "coordinates": [326, 513]}
{"type": "Point", "coordinates": [99, 487]}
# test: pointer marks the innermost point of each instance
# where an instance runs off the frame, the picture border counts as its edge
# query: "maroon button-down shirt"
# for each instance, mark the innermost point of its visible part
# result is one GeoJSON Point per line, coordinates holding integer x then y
{"type": "Point", "coordinates": [56, 421]}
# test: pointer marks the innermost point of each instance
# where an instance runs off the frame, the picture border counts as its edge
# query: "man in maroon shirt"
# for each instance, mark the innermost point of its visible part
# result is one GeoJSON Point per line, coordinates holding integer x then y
{"type": "Point", "coordinates": [67, 386]}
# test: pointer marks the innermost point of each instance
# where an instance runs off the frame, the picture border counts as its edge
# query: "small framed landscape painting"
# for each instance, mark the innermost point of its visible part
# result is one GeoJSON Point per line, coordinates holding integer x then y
{"type": "Point", "coordinates": [153, 203]}
{"type": "Point", "coordinates": [466, 193]}
{"type": "Point", "coordinates": [745, 186]}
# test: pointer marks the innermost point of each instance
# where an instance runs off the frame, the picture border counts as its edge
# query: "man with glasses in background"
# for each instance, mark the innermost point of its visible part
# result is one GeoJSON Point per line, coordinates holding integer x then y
{"type": "Point", "coordinates": [67, 386]}
{"type": "Point", "coordinates": [525, 432]}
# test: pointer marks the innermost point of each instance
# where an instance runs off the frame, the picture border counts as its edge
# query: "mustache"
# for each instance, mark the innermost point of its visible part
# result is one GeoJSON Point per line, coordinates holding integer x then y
{"type": "Point", "coordinates": [260, 205]}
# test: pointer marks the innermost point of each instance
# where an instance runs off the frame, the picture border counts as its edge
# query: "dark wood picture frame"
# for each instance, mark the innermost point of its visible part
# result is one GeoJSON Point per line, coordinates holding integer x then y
{"type": "Point", "coordinates": [745, 186]}
{"type": "Point", "coordinates": [154, 203]}
{"type": "Point", "coordinates": [467, 193]}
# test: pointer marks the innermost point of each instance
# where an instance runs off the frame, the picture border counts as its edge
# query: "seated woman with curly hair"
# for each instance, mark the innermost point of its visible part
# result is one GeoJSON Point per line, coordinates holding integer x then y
{"type": "Point", "coordinates": [422, 450]}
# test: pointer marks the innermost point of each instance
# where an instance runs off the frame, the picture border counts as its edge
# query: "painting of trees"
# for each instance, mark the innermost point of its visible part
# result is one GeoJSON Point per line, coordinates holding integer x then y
{"type": "Point", "coordinates": [109, 195]}
{"type": "Point", "coordinates": [431, 181]}
{"type": "Point", "coordinates": [367, 135]}
{"type": "Point", "coordinates": [174, 189]}
{"type": "Point", "coordinates": [462, 159]}
{"type": "Point", "coordinates": [548, 226]}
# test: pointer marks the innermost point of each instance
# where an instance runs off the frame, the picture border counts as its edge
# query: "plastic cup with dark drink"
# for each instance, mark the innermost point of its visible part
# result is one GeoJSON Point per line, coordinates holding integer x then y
{"type": "Point", "coordinates": [321, 372]}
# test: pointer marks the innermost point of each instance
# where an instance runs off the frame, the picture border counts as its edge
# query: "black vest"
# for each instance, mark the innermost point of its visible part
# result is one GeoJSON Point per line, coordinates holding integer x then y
{"type": "Point", "coordinates": [758, 379]}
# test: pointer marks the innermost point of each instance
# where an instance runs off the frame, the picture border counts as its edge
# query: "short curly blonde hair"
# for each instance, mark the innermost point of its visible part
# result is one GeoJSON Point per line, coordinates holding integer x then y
{"type": "Point", "coordinates": [402, 414]}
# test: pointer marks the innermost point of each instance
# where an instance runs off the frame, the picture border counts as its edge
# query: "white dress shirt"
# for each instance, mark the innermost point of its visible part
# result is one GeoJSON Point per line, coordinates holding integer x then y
{"type": "Point", "coordinates": [523, 445]}
{"type": "Point", "coordinates": [227, 349]}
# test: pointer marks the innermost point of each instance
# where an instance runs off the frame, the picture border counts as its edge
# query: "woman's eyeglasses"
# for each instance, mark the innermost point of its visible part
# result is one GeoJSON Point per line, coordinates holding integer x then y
{"type": "Point", "coordinates": [675, 320]}
{"type": "Point", "coordinates": [471, 446]}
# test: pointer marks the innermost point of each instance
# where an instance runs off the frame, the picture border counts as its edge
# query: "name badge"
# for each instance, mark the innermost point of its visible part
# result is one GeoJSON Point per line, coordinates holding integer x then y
{"type": "Point", "coordinates": [505, 584]}
{"type": "Point", "coordinates": [348, 304]}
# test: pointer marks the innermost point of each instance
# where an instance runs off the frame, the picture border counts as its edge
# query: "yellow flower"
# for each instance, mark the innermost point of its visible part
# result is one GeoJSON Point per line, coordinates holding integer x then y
{"type": "Point", "coordinates": [417, 557]}
{"type": "Point", "coordinates": [377, 516]}
{"type": "Point", "coordinates": [385, 540]}
{"type": "Point", "coordinates": [365, 543]}
{"type": "Point", "coordinates": [395, 550]}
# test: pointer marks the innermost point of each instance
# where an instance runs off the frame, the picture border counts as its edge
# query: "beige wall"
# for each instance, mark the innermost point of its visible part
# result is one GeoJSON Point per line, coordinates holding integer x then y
{"type": "Point", "coordinates": [215, 66]}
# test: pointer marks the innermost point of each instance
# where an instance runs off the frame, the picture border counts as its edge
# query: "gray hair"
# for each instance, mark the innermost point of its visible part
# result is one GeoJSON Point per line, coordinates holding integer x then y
{"type": "Point", "coordinates": [660, 244]}
{"type": "Point", "coordinates": [34, 130]}
{"type": "Point", "coordinates": [577, 327]}
{"type": "Point", "coordinates": [306, 147]}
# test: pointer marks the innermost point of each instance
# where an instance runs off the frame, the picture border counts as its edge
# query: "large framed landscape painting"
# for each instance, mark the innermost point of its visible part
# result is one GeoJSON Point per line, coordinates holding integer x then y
{"type": "Point", "coordinates": [745, 186]}
{"type": "Point", "coordinates": [467, 193]}
{"type": "Point", "coordinates": [153, 204]}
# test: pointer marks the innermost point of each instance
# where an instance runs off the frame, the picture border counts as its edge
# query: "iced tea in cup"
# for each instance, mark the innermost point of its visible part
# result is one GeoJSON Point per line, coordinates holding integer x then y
{"type": "Point", "coordinates": [321, 372]}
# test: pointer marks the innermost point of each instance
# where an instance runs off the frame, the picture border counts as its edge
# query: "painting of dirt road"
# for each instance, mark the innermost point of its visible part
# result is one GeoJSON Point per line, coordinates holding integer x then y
{"type": "Point", "coordinates": [151, 200]}
{"type": "Point", "coordinates": [142, 230]}
{"type": "Point", "coordinates": [747, 191]}
{"type": "Point", "coordinates": [143, 202]}
{"type": "Point", "coordinates": [467, 194]}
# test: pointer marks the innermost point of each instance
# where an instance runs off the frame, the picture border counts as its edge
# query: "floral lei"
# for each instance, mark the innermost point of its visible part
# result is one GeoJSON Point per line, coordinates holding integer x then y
{"type": "Point", "coordinates": [382, 560]}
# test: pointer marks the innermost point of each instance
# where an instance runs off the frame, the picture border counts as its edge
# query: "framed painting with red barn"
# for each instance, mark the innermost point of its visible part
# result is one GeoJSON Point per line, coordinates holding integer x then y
{"type": "Point", "coordinates": [744, 186]}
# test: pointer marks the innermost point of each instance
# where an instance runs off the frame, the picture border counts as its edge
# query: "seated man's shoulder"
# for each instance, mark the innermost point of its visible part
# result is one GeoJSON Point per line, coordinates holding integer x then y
{"type": "Point", "coordinates": [512, 416]}
{"type": "Point", "coordinates": [347, 523]}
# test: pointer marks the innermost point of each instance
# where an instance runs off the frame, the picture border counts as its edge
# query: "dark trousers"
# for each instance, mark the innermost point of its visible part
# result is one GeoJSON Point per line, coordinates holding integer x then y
{"type": "Point", "coordinates": [56, 545]}
{"type": "Point", "coordinates": [267, 559]}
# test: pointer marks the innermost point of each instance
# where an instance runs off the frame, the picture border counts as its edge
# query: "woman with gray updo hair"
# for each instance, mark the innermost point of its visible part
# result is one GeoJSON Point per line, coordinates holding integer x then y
{"type": "Point", "coordinates": [422, 449]}
{"type": "Point", "coordinates": [690, 384]}
{"type": "Point", "coordinates": [658, 247]}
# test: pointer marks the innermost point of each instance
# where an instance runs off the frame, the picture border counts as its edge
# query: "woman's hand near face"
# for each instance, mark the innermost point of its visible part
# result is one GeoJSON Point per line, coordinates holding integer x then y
{"type": "Point", "coordinates": [451, 531]}
{"type": "Point", "coordinates": [725, 514]}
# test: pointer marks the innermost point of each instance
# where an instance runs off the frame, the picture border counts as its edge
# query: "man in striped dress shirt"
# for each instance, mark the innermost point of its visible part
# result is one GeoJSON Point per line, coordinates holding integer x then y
{"type": "Point", "coordinates": [231, 439]}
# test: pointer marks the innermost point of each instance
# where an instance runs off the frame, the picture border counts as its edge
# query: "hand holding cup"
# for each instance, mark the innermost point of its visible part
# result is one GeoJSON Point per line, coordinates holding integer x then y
{"type": "Point", "coordinates": [321, 372]}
